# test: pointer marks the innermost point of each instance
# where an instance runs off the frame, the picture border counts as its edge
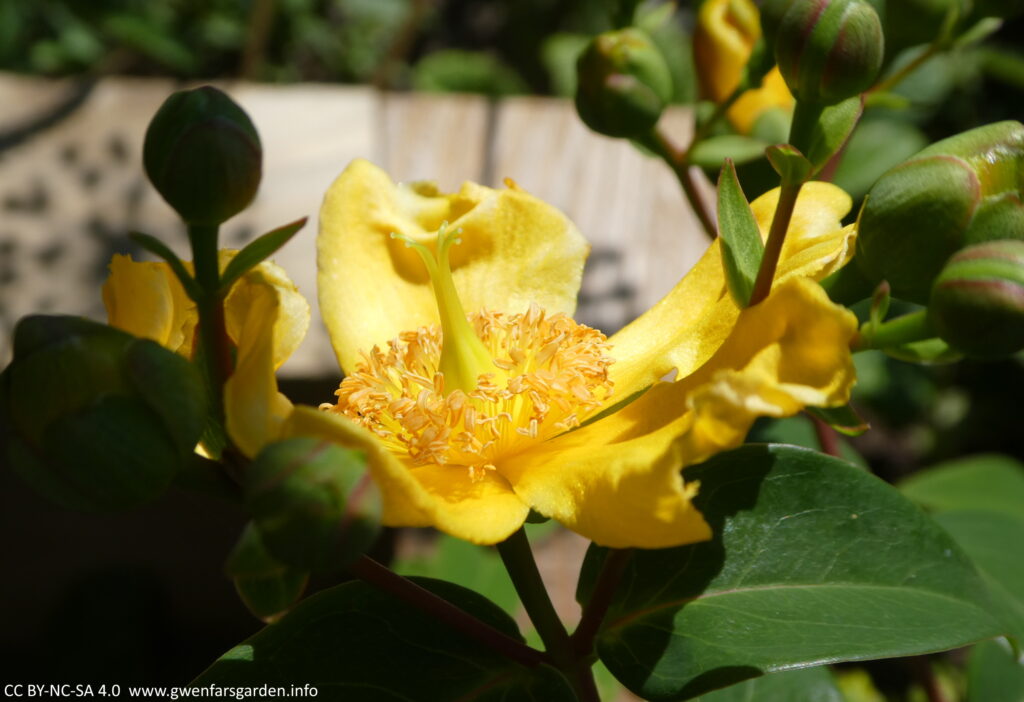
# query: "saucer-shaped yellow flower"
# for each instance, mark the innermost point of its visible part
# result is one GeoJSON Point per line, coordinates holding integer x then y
{"type": "Point", "coordinates": [722, 42]}
{"type": "Point", "coordinates": [475, 395]}
{"type": "Point", "coordinates": [146, 299]}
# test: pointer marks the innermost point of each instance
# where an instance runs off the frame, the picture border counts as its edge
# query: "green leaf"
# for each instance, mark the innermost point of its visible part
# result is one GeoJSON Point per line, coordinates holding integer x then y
{"type": "Point", "coordinates": [832, 131]}
{"type": "Point", "coordinates": [713, 151]}
{"type": "Point", "coordinates": [477, 568]}
{"type": "Point", "coordinates": [158, 248]}
{"type": "Point", "coordinates": [155, 42]}
{"type": "Point", "coordinates": [986, 482]}
{"type": "Point", "coordinates": [994, 674]}
{"type": "Point", "coordinates": [256, 251]}
{"type": "Point", "coordinates": [799, 431]}
{"type": "Point", "coordinates": [354, 642]}
{"type": "Point", "coordinates": [742, 248]}
{"type": "Point", "coordinates": [813, 560]}
{"type": "Point", "coordinates": [791, 165]}
{"type": "Point", "coordinates": [806, 685]}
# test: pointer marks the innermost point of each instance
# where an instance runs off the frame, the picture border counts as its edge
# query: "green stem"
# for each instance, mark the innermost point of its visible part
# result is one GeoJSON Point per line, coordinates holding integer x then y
{"type": "Point", "coordinates": [898, 77]}
{"type": "Point", "coordinates": [701, 132]}
{"type": "Point", "coordinates": [658, 142]}
{"type": "Point", "coordinates": [776, 237]}
{"type": "Point", "coordinates": [212, 329]}
{"type": "Point", "coordinates": [896, 332]}
{"type": "Point", "coordinates": [805, 118]}
{"type": "Point", "coordinates": [518, 559]}
{"type": "Point", "coordinates": [585, 636]}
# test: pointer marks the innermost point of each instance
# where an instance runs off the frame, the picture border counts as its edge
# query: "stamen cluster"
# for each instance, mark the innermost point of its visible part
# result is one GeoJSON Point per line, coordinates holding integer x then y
{"type": "Point", "coordinates": [549, 374]}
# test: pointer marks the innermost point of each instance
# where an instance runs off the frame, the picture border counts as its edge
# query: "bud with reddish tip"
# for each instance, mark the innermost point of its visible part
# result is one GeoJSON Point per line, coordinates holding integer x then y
{"type": "Point", "coordinates": [977, 304]}
{"type": "Point", "coordinates": [959, 191]}
{"type": "Point", "coordinates": [829, 50]}
{"type": "Point", "coordinates": [624, 83]}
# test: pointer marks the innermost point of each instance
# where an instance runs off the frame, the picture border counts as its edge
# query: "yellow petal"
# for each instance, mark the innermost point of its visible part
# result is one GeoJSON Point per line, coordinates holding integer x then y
{"type": "Point", "coordinates": [145, 299]}
{"type": "Point", "coordinates": [617, 480]}
{"type": "Point", "coordinates": [255, 410]}
{"type": "Point", "coordinates": [772, 94]}
{"type": "Point", "coordinates": [292, 313]}
{"type": "Point", "coordinates": [722, 41]}
{"type": "Point", "coordinates": [515, 250]}
{"type": "Point", "coordinates": [688, 325]}
{"type": "Point", "coordinates": [483, 509]}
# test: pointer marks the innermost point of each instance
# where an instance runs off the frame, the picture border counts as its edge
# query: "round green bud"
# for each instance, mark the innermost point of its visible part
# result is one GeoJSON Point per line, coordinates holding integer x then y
{"type": "Point", "coordinates": [313, 502]}
{"type": "Point", "coordinates": [96, 419]}
{"type": "Point", "coordinates": [957, 192]}
{"type": "Point", "coordinates": [203, 155]}
{"type": "Point", "coordinates": [829, 50]}
{"type": "Point", "coordinates": [623, 83]}
{"type": "Point", "coordinates": [977, 304]}
{"type": "Point", "coordinates": [772, 12]}
{"type": "Point", "coordinates": [267, 587]}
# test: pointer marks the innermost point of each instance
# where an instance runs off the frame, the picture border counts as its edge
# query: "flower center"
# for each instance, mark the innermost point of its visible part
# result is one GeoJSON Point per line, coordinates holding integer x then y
{"type": "Point", "coordinates": [547, 373]}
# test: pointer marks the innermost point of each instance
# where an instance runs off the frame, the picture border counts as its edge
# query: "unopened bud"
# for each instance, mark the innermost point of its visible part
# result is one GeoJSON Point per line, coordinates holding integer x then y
{"type": "Point", "coordinates": [624, 83]}
{"type": "Point", "coordinates": [957, 192]}
{"type": "Point", "coordinates": [313, 503]}
{"type": "Point", "coordinates": [203, 155]}
{"type": "Point", "coordinates": [266, 586]}
{"type": "Point", "coordinates": [829, 50]}
{"type": "Point", "coordinates": [96, 419]}
{"type": "Point", "coordinates": [977, 305]}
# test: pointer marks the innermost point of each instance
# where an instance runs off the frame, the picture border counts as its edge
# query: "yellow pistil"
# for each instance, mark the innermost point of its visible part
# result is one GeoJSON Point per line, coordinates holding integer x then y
{"type": "Point", "coordinates": [553, 373]}
{"type": "Point", "coordinates": [463, 356]}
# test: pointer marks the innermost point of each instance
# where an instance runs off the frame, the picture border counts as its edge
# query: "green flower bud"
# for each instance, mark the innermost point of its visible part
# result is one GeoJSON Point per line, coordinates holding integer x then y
{"type": "Point", "coordinates": [772, 12]}
{"type": "Point", "coordinates": [95, 418]}
{"type": "Point", "coordinates": [266, 586]}
{"type": "Point", "coordinates": [313, 503]}
{"type": "Point", "coordinates": [203, 155]}
{"type": "Point", "coordinates": [829, 50]}
{"type": "Point", "coordinates": [624, 83]}
{"type": "Point", "coordinates": [959, 191]}
{"type": "Point", "coordinates": [977, 304]}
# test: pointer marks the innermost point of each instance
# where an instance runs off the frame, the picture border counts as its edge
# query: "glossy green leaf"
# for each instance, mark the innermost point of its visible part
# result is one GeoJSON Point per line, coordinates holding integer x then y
{"type": "Point", "coordinates": [813, 560]}
{"type": "Point", "coordinates": [354, 642]}
{"type": "Point", "coordinates": [256, 251]}
{"type": "Point", "coordinates": [477, 568]}
{"type": "Point", "coordinates": [742, 247]}
{"type": "Point", "coordinates": [805, 685]}
{"type": "Point", "coordinates": [713, 151]}
{"type": "Point", "coordinates": [987, 482]}
{"type": "Point", "coordinates": [791, 165]}
{"type": "Point", "coordinates": [799, 431]}
{"type": "Point", "coordinates": [833, 130]}
{"type": "Point", "coordinates": [159, 248]}
{"type": "Point", "coordinates": [994, 674]}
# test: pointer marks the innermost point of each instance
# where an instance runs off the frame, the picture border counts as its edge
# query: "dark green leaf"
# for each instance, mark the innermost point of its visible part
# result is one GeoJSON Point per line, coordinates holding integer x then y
{"type": "Point", "coordinates": [713, 151]}
{"type": "Point", "coordinates": [791, 165]}
{"type": "Point", "coordinates": [477, 568]}
{"type": "Point", "coordinates": [994, 674]}
{"type": "Point", "coordinates": [812, 560]}
{"type": "Point", "coordinates": [742, 247]}
{"type": "Point", "coordinates": [256, 251]}
{"type": "Point", "coordinates": [832, 130]}
{"type": "Point", "coordinates": [354, 642]}
{"type": "Point", "coordinates": [799, 431]}
{"type": "Point", "coordinates": [158, 248]}
{"type": "Point", "coordinates": [987, 482]}
{"type": "Point", "coordinates": [807, 685]}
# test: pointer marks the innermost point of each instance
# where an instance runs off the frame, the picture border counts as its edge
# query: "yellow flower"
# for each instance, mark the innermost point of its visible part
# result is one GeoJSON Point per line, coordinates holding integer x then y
{"type": "Point", "coordinates": [722, 42]}
{"type": "Point", "coordinates": [146, 299]}
{"type": "Point", "coordinates": [534, 417]}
